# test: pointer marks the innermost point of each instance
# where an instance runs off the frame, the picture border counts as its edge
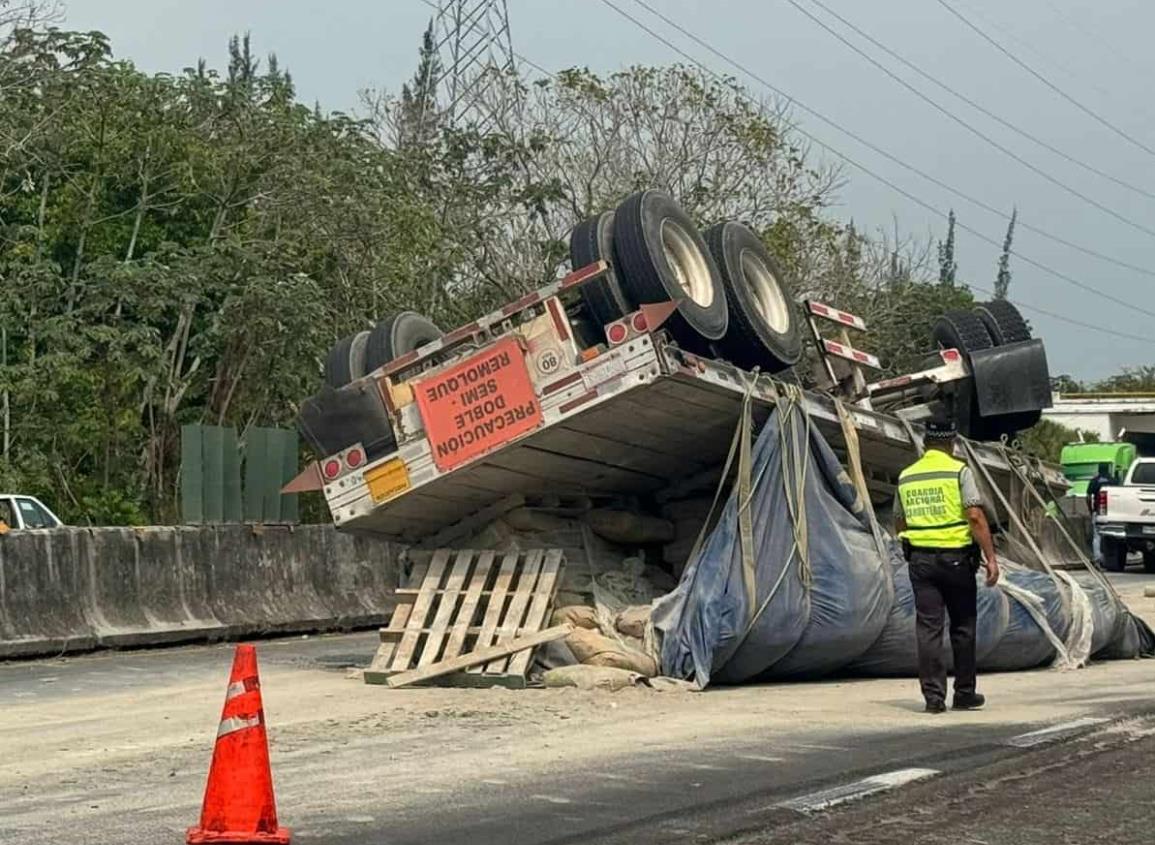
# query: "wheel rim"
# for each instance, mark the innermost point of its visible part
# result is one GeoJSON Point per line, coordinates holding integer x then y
{"type": "Point", "coordinates": [769, 301]}
{"type": "Point", "coordinates": [688, 263]}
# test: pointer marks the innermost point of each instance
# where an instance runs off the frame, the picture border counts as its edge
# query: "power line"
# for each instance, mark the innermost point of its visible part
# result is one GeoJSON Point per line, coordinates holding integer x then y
{"type": "Point", "coordinates": [977, 133]}
{"type": "Point", "coordinates": [882, 179]}
{"type": "Point", "coordinates": [860, 139]}
{"type": "Point", "coordinates": [1086, 110]}
{"type": "Point", "coordinates": [1083, 29]}
{"type": "Point", "coordinates": [896, 188]}
{"type": "Point", "coordinates": [981, 108]}
{"type": "Point", "coordinates": [918, 172]}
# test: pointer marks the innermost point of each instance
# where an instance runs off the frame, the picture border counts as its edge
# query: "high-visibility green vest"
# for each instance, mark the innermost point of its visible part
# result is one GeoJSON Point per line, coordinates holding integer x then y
{"type": "Point", "coordinates": [932, 503]}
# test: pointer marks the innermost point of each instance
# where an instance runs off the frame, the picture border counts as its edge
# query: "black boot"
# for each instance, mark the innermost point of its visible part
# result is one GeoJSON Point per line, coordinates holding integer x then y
{"type": "Point", "coordinates": [968, 700]}
{"type": "Point", "coordinates": [935, 707]}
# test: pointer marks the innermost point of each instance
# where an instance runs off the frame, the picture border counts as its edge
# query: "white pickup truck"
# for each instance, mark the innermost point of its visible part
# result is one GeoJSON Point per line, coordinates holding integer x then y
{"type": "Point", "coordinates": [1126, 517]}
{"type": "Point", "coordinates": [26, 512]}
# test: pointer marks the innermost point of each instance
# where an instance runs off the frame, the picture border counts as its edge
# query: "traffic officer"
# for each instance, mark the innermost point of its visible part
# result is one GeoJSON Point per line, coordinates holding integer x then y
{"type": "Point", "coordinates": [940, 518]}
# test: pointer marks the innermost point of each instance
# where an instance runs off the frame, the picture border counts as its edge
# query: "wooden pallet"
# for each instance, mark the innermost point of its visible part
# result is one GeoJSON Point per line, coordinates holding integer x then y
{"type": "Point", "coordinates": [463, 601]}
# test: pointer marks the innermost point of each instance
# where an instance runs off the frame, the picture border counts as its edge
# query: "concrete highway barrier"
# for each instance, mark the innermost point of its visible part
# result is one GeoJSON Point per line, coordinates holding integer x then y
{"type": "Point", "coordinates": [75, 589]}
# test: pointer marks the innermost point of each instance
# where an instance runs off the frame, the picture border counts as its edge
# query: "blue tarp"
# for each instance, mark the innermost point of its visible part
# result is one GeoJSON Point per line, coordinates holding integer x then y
{"type": "Point", "coordinates": [845, 605]}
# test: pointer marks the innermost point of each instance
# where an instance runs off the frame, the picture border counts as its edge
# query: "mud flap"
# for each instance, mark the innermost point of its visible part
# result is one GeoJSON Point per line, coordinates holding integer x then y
{"type": "Point", "coordinates": [1011, 379]}
{"type": "Point", "coordinates": [334, 419]}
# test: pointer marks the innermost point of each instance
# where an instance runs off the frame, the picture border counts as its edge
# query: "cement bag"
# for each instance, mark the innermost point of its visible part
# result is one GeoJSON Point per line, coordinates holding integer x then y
{"type": "Point", "coordinates": [593, 649]}
{"type": "Point", "coordinates": [632, 621]}
{"type": "Point", "coordinates": [578, 615]}
{"type": "Point", "coordinates": [592, 677]}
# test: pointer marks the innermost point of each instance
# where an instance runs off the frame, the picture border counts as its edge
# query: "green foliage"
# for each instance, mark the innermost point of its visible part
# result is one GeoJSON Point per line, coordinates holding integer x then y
{"type": "Point", "coordinates": [1003, 280]}
{"type": "Point", "coordinates": [1046, 439]}
{"type": "Point", "coordinates": [947, 266]}
{"type": "Point", "coordinates": [185, 248]}
{"type": "Point", "coordinates": [181, 249]}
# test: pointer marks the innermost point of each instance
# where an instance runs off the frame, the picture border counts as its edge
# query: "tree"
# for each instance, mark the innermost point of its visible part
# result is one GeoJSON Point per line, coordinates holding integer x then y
{"type": "Point", "coordinates": [1047, 438]}
{"type": "Point", "coordinates": [419, 121]}
{"type": "Point", "coordinates": [947, 266]}
{"type": "Point", "coordinates": [1003, 281]}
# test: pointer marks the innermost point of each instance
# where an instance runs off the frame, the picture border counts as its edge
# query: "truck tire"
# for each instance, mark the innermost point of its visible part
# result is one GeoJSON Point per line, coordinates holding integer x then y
{"type": "Point", "coordinates": [397, 336]}
{"type": "Point", "coordinates": [763, 321]}
{"type": "Point", "coordinates": [346, 360]}
{"type": "Point", "coordinates": [962, 330]}
{"type": "Point", "coordinates": [1114, 554]}
{"type": "Point", "coordinates": [593, 240]}
{"type": "Point", "coordinates": [660, 256]}
{"type": "Point", "coordinates": [1003, 322]}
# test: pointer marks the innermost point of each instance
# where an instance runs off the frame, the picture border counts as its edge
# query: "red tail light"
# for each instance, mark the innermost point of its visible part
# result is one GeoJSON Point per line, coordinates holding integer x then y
{"type": "Point", "coordinates": [617, 332]}
{"type": "Point", "coordinates": [354, 458]}
{"type": "Point", "coordinates": [1102, 503]}
{"type": "Point", "coordinates": [332, 468]}
{"type": "Point", "coordinates": [639, 322]}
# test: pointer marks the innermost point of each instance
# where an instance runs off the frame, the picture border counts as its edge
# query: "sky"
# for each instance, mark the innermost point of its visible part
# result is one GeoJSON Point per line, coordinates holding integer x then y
{"type": "Point", "coordinates": [1095, 51]}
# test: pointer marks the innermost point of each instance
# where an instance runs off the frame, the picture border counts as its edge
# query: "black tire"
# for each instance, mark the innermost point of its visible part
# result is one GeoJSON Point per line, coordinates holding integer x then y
{"type": "Point", "coordinates": [1003, 322]}
{"type": "Point", "coordinates": [1114, 555]}
{"type": "Point", "coordinates": [763, 328]}
{"type": "Point", "coordinates": [1149, 561]}
{"type": "Point", "coordinates": [660, 256]}
{"type": "Point", "coordinates": [396, 336]}
{"type": "Point", "coordinates": [593, 240]}
{"type": "Point", "coordinates": [962, 330]}
{"type": "Point", "coordinates": [346, 360]}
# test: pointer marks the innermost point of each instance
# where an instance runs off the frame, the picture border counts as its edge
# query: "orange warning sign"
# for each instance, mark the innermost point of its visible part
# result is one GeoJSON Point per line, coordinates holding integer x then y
{"type": "Point", "coordinates": [476, 406]}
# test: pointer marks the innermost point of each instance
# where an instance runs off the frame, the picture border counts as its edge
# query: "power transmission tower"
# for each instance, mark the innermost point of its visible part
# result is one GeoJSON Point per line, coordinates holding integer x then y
{"type": "Point", "coordinates": [476, 61]}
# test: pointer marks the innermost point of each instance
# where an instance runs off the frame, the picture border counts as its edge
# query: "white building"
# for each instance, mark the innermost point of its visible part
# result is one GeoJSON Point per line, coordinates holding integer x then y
{"type": "Point", "coordinates": [1120, 416]}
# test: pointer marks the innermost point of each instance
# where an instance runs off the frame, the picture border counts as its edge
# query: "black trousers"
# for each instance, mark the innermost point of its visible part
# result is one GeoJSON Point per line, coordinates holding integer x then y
{"type": "Point", "coordinates": [944, 581]}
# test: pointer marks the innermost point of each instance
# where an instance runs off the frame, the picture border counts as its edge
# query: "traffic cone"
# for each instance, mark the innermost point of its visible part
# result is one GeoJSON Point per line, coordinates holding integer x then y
{"type": "Point", "coordinates": [239, 807]}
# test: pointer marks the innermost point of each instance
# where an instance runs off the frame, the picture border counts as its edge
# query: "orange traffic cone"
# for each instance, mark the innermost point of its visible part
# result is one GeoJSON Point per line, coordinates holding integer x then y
{"type": "Point", "coordinates": [239, 807]}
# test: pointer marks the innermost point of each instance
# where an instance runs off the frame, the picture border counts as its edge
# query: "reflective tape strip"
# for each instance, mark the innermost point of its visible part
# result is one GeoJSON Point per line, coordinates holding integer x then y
{"type": "Point", "coordinates": [929, 476]}
{"type": "Point", "coordinates": [937, 527]}
{"type": "Point", "coordinates": [820, 309]}
{"type": "Point", "coordinates": [241, 687]}
{"type": "Point", "coordinates": [238, 723]}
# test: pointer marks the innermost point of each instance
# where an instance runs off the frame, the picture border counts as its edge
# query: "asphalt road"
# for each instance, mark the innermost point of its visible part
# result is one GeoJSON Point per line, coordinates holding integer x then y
{"type": "Point", "coordinates": [113, 748]}
{"type": "Point", "coordinates": [752, 794]}
{"type": "Point", "coordinates": [1091, 790]}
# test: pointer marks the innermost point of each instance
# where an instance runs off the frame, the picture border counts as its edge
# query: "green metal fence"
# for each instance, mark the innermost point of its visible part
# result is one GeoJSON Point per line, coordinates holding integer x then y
{"type": "Point", "coordinates": [223, 480]}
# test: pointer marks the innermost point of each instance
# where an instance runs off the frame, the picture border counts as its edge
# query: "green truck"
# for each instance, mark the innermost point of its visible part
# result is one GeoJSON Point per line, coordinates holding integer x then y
{"type": "Point", "coordinates": [1081, 462]}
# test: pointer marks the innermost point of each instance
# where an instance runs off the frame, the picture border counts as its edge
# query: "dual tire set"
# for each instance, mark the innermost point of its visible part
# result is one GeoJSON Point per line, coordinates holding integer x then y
{"type": "Point", "coordinates": [361, 353]}
{"type": "Point", "coordinates": [733, 299]}
{"type": "Point", "coordinates": [986, 326]}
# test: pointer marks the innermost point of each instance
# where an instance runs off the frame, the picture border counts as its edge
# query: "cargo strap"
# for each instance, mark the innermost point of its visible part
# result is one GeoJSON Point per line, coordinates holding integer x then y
{"type": "Point", "coordinates": [795, 466]}
{"type": "Point", "coordinates": [740, 446]}
{"type": "Point", "coordinates": [1079, 552]}
{"type": "Point", "coordinates": [854, 462]}
{"type": "Point", "coordinates": [1075, 651]}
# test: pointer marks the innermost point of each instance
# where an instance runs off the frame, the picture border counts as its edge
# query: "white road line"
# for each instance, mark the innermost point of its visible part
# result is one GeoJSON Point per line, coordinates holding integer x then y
{"type": "Point", "coordinates": [818, 801]}
{"type": "Point", "coordinates": [1053, 733]}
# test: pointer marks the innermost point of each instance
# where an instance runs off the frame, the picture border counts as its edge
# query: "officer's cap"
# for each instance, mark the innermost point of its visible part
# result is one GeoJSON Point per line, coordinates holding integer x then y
{"type": "Point", "coordinates": [941, 428]}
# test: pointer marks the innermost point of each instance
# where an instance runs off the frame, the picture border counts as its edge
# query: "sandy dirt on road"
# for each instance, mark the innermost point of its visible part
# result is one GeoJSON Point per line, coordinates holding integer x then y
{"type": "Point", "coordinates": [336, 741]}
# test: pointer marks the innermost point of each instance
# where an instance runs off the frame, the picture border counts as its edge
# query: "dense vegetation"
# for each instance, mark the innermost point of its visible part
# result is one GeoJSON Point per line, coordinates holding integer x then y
{"type": "Point", "coordinates": [185, 248]}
